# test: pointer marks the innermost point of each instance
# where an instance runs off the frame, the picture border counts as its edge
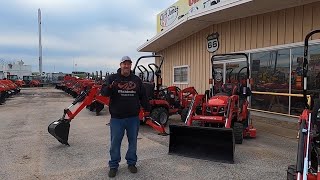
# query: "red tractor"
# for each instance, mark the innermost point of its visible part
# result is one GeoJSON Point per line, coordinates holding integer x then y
{"type": "Point", "coordinates": [160, 108]}
{"type": "Point", "coordinates": [307, 166]}
{"type": "Point", "coordinates": [216, 120]}
{"type": "Point", "coordinates": [178, 99]}
{"type": "Point", "coordinates": [3, 92]}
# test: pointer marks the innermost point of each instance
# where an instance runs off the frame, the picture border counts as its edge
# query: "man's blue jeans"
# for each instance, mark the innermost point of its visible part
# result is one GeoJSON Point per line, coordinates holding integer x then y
{"type": "Point", "coordinates": [117, 129]}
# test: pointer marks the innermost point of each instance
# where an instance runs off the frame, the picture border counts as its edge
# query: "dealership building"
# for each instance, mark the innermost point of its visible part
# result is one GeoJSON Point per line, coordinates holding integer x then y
{"type": "Point", "coordinates": [271, 32]}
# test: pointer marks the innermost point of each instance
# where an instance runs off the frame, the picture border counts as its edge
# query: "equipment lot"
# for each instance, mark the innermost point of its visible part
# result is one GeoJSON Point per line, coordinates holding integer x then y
{"type": "Point", "coordinates": [28, 151]}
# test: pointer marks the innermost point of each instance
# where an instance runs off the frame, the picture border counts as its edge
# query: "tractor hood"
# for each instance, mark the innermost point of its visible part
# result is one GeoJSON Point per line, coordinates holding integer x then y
{"type": "Point", "coordinates": [218, 101]}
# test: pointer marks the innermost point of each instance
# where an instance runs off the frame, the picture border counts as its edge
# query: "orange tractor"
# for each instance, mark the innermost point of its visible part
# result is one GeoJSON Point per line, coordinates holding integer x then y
{"type": "Point", "coordinates": [307, 166]}
{"type": "Point", "coordinates": [32, 81]}
{"type": "Point", "coordinates": [216, 120]}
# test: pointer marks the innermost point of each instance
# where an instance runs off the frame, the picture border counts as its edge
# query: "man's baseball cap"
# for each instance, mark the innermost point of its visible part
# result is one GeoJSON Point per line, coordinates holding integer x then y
{"type": "Point", "coordinates": [125, 58]}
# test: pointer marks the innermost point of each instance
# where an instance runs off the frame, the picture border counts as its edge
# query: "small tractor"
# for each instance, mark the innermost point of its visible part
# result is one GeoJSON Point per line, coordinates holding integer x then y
{"type": "Point", "coordinates": [215, 120]}
{"type": "Point", "coordinates": [178, 99]}
{"type": "Point", "coordinates": [307, 165]}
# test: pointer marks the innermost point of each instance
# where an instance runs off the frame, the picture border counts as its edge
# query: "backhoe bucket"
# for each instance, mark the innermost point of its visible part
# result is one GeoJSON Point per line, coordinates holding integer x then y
{"type": "Point", "coordinates": [60, 130]}
{"type": "Point", "coordinates": [216, 144]}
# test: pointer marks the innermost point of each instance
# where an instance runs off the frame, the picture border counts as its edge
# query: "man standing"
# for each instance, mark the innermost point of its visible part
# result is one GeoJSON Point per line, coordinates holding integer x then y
{"type": "Point", "coordinates": [127, 94]}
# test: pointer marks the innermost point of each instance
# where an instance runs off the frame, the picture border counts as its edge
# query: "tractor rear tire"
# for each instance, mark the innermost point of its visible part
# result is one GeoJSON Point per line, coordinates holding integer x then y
{"type": "Point", "coordinates": [160, 114]}
{"type": "Point", "coordinates": [291, 172]}
{"type": "Point", "coordinates": [184, 114]}
{"type": "Point", "coordinates": [238, 132]}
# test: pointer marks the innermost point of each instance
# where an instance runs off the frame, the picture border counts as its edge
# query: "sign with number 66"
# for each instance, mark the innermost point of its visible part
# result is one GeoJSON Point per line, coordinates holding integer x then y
{"type": "Point", "coordinates": [213, 42]}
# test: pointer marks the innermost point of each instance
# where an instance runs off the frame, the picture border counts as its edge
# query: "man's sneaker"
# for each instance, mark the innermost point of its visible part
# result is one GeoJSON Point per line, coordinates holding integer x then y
{"type": "Point", "coordinates": [112, 172]}
{"type": "Point", "coordinates": [132, 168]}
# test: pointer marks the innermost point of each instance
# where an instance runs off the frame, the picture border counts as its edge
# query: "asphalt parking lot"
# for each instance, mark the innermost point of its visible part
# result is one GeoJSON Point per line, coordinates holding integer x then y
{"type": "Point", "coordinates": [28, 151]}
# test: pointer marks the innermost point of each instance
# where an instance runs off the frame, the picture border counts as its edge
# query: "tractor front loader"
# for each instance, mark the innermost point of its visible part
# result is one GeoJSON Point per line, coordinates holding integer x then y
{"type": "Point", "coordinates": [215, 121]}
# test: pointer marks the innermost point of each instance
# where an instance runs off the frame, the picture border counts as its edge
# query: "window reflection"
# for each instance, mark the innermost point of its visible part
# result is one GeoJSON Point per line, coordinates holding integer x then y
{"type": "Point", "coordinates": [313, 84]}
{"type": "Point", "coordinates": [270, 73]}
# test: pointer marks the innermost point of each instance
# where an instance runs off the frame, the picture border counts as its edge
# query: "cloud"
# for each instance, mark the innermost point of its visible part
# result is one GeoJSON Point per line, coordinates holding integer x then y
{"type": "Point", "coordinates": [95, 34]}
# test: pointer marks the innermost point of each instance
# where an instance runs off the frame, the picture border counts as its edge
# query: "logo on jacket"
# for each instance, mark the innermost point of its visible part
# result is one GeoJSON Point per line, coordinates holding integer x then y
{"type": "Point", "coordinates": [127, 85]}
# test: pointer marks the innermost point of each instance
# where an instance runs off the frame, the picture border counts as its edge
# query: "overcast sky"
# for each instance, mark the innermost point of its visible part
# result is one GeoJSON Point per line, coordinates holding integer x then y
{"type": "Point", "coordinates": [93, 34]}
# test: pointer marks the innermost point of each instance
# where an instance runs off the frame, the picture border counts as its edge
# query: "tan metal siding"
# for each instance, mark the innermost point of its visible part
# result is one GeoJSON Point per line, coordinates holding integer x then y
{"type": "Point", "coordinates": [289, 26]}
{"type": "Point", "coordinates": [248, 33]}
{"type": "Point", "coordinates": [233, 31]}
{"type": "Point", "coordinates": [297, 30]}
{"type": "Point", "coordinates": [228, 38]}
{"type": "Point", "coordinates": [242, 34]}
{"type": "Point", "coordinates": [220, 38]}
{"type": "Point", "coordinates": [274, 28]}
{"type": "Point", "coordinates": [237, 35]}
{"type": "Point", "coordinates": [307, 18]}
{"type": "Point", "coordinates": [260, 32]}
{"type": "Point", "coordinates": [254, 29]}
{"type": "Point", "coordinates": [266, 30]}
{"type": "Point", "coordinates": [316, 18]}
{"type": "Point", "coordinates": [281, 27]}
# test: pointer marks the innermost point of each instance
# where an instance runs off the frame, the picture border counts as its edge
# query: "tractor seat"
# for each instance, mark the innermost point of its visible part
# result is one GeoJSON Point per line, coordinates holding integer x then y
{"type": "Point", "coordinates": [149, 86]}
{"type": "Point", "coordinates": [229, 89]}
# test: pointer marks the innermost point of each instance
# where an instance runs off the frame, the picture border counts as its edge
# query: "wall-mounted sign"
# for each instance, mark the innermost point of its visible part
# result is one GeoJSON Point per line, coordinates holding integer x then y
{"type": "Point", "coordinates": [213, 42]}
{"type": "Point", "coordinates": [169, 16]}
{"type": "Point", "coordinates": [181, 9]}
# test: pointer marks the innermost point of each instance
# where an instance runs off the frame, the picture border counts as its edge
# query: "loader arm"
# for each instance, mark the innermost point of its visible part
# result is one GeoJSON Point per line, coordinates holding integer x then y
{"type": "Point", "coordinates": [197, 100]}
{"type": "Point", "coordinates": [87, 101]}
{"type": "Point", "coordinates": [231, 107]}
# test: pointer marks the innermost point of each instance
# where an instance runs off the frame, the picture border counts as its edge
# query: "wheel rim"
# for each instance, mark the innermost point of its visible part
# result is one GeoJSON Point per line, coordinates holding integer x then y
{"type": "Point", "coordinates": [163, 118]}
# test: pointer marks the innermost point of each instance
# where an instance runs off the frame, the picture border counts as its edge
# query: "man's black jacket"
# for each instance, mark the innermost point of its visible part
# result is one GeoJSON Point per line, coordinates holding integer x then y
{"type": "Point", "coordinates": [126, 95]}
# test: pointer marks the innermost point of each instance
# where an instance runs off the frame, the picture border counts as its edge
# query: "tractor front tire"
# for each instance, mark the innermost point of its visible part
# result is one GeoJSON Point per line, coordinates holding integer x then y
{"type": "Point", "coordinates": [238, 132]}
{"type": "Point", "coordinates": [291, 172]}
{"type": "Point", "coordinates": [160, 114]}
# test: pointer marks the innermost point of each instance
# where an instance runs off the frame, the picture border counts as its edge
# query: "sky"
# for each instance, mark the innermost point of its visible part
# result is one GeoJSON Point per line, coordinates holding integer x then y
{"type": "Point", "coordinates": [81, 35]}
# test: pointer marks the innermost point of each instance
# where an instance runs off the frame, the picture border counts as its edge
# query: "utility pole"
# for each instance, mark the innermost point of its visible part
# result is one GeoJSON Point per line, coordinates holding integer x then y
{"type": "Point", "coordinates": [40, 46]}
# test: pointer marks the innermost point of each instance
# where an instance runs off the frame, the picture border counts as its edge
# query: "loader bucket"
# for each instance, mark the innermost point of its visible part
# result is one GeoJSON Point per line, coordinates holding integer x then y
{"type": "Point", "coordinates": [60, 130]}
{"type": "Point", "coordinates": [215, 144]}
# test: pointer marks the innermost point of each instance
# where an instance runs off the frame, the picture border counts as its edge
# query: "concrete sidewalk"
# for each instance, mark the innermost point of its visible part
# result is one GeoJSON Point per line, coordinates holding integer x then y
{"type": "Point", "coordinates": [275, 124]}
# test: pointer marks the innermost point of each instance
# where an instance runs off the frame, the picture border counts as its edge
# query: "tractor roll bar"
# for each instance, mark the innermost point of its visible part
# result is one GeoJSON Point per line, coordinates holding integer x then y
{"type": "Point", "coordinates": [145, 70]}
{"type": "Point", "coordinates": [157, 69]}
{"type": "Point", "coordinates": [305, 66]}
{"type": "Point", "coordinates": [220, 57]}
{"type": "Point", "coordinates": [141, 72]}
{"type": "Point", "coordinates": [148, 56]}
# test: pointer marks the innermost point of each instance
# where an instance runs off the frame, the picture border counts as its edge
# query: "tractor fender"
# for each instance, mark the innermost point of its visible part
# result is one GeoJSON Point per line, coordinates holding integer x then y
{"type": "Point", "coordinates": [159, 103]}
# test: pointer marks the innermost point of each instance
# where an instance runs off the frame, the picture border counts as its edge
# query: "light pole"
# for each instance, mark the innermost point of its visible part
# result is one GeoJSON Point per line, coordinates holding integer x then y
{"type": "Point", "coordinates": [40, 45]}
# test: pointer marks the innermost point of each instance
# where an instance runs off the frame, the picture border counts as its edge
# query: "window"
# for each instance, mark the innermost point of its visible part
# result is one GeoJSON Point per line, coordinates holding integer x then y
{"type": "Point", "coordinates": [181, 74]}
{"type": "Point", "coordinates": [270, 73]}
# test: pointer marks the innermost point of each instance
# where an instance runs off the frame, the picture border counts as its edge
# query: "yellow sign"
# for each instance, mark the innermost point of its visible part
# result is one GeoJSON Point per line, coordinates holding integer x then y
{"type": "Point", "coordinates": [180, 10]}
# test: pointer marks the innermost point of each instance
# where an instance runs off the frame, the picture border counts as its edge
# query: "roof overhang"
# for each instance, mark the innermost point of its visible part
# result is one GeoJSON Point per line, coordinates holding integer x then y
{"type": "Point", "coordinates": [229, 10]}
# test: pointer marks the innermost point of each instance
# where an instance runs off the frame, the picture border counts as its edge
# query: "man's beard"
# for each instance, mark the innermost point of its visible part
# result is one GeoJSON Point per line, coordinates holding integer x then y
{"type": "Point", "coordinates": [126, 72]}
